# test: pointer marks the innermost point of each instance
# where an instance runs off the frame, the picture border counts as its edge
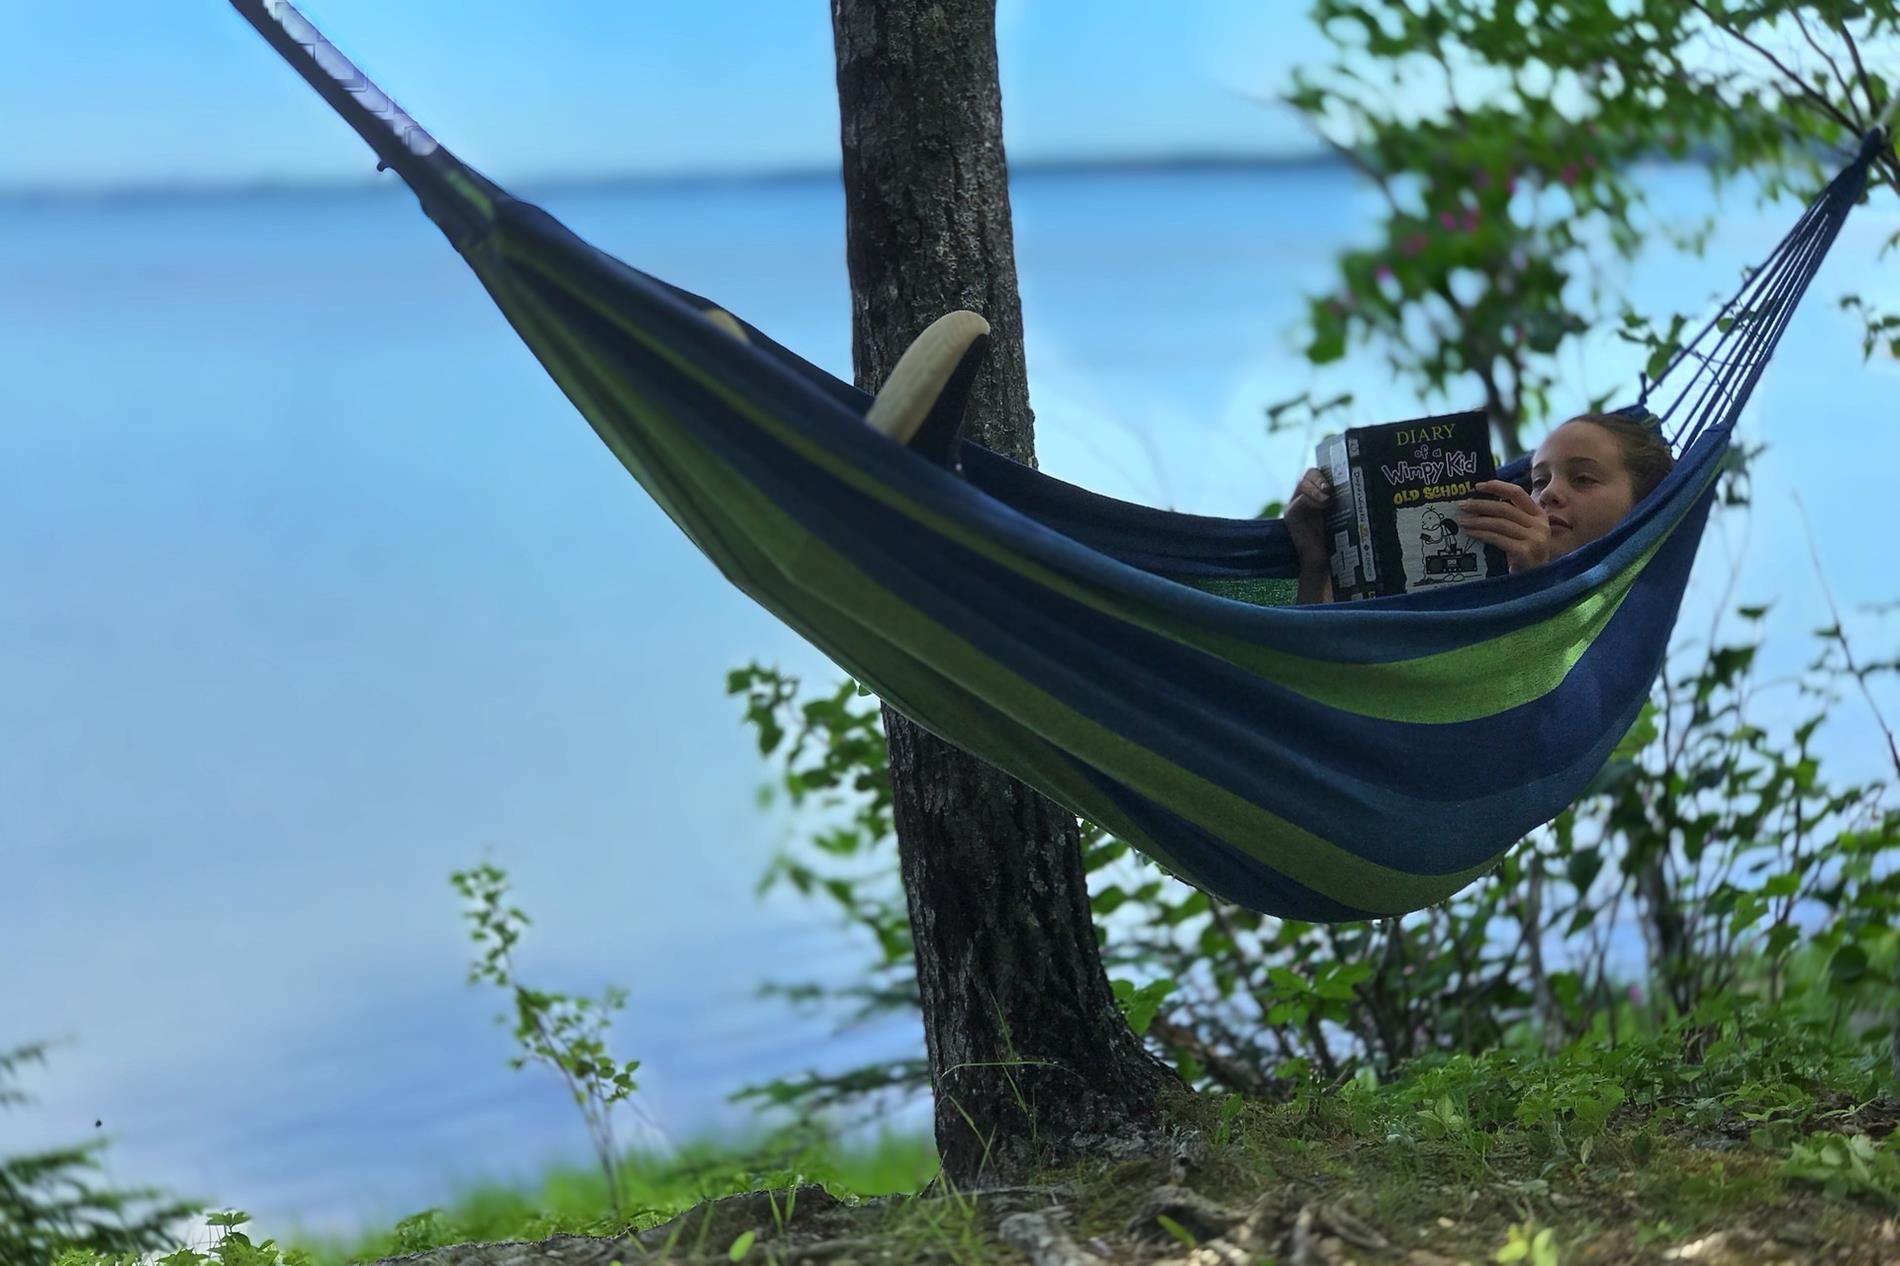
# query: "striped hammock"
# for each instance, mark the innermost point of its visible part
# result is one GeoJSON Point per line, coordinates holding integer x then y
{"type": "Point", "coordinates": [1321, 762]}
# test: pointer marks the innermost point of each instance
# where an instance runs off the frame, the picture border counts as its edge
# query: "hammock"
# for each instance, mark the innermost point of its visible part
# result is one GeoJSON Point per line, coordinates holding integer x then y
{"type": "Point", "coordinates": [1324, 762]}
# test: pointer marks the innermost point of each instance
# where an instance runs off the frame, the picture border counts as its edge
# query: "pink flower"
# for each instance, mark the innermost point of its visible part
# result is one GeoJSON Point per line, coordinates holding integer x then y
{"type": "Point", "coordinates": [1471, 219]}
{"type": "Point", "coordinates": [1636, 995]}
{"type": "Point", "coordinates": [1382, 273]}
{"type": "Point", "coordinates": [1510, 183]}
{"type": "Point", "coordinates": [1568, 175]}
{"type": "Point", "coordinates": [1589, 160]}
{"type": "Point", "coordinates": [1414, 244]}
{"type": "Point", "coordinates": [1448, 219]}
{"type": "Point", "coordinates": [1482, 179]}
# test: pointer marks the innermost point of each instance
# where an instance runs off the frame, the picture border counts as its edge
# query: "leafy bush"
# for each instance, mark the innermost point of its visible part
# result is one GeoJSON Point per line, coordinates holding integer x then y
{"type": "Point", "coordinates": [46, 1204]}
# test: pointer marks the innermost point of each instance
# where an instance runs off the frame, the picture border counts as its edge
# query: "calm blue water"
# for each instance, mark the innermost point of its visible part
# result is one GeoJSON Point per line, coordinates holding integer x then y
{"type": "Point", "coordinates": [315, 589]}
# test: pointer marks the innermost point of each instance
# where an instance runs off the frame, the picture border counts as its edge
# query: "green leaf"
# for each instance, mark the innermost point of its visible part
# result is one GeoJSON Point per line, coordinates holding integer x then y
{"type": "Point", "coordinates": [1780, 938]}
{"type": "Point", "coordinates": [1289, 980]}
{"type": "Point", "coordinates": [741, 1246]}
{"type": "Point", "coordinates": [1175, 1229]}
{"type": "Point", "coordinates": [1781, 886]}
{"type": "Point", "coordinates": [1641, 734]}
{"type": "Point", "coordinates": [1849, 964]}
{"type": "Point", "coordinates": [1139, 1006]}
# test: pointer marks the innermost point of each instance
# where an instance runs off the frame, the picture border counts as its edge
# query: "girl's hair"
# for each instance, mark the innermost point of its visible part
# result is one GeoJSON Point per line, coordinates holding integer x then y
{"type": "Point", "coordinates": [1645, 454]}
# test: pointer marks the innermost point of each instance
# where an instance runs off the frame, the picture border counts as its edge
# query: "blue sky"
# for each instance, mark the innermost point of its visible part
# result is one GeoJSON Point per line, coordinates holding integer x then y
{"type": "Point", "coordinates": [189, 94]}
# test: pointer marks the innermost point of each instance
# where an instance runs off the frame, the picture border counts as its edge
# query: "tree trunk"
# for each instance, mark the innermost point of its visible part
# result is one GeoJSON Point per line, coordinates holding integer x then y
{"type": "Point", "coordinates": [1031, 1061]}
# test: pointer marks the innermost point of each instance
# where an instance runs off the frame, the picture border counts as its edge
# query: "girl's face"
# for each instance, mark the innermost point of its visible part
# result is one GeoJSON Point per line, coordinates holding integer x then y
{"type": "Point", "coordinates": [1578, 477]}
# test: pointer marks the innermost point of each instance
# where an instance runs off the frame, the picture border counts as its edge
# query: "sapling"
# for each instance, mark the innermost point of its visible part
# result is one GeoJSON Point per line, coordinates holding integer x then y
{"type": "Point", "coordinates": [554, 1028]}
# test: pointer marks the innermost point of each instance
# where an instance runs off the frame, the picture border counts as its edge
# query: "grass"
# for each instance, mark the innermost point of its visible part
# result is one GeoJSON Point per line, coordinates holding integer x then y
{"type": "Point", "coordinates": [1473, 1175]}
{"type": "Point", "coordinates": [572, 1199]}
{"type": "Point", "coordinates": [1746, 1133]}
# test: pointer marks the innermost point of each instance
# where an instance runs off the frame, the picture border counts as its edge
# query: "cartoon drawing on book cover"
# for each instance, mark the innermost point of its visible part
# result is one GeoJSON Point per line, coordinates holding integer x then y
{"type": "Point", "coordinates": [1436, 552]}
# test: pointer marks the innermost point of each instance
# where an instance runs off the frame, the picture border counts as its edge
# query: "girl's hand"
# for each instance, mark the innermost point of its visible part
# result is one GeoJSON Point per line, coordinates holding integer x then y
{"type": "Point", "coordinates": [1305, 519]}
{"type": "Point", "coordinates": [1514, 523]}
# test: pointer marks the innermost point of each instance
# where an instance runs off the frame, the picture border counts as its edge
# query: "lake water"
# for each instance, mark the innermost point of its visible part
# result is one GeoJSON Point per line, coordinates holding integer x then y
{"type": "Point", "coordinates": [316, 589]}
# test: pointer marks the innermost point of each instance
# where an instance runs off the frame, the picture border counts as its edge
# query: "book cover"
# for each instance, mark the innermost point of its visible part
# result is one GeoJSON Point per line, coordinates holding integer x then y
{"type": "Point", "coordinates": [1392, 526]}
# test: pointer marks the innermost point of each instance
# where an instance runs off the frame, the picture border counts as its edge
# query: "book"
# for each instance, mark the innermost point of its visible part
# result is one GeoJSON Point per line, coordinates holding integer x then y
{"type": "Point", "coordinates": [1392, 526]}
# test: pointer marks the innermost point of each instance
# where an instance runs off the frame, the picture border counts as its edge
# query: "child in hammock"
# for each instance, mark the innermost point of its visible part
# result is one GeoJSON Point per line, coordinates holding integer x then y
{"type": "Point", "coordinates": [1585, 476]}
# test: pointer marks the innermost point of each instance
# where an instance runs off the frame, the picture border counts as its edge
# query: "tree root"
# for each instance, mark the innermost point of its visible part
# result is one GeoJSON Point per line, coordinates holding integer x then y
{"type": "Point", "coordinates": [1044, 1238]}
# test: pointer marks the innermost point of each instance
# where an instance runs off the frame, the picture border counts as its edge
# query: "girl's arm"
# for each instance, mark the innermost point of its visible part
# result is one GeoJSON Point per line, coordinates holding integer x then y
{"type": "Point", "coordinates": [1316, 584]}
{"type": "Point", "coordinates": [1305, 519]}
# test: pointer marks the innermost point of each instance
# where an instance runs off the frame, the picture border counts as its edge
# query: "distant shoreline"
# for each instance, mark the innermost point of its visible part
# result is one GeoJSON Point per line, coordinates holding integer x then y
{"type": "Point", "coordinates": [147, 193]}
{"type": "Point", "coordinates": [1031, 168]}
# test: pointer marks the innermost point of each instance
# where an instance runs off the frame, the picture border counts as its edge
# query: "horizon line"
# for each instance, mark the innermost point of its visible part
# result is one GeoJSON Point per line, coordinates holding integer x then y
{"type": "Point", "coordinates": [140, 191]}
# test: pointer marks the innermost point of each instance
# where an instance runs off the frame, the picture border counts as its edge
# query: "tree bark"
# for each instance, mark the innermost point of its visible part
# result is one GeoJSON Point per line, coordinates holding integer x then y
{"type": "Point", "coordinates": [1031, 1061]}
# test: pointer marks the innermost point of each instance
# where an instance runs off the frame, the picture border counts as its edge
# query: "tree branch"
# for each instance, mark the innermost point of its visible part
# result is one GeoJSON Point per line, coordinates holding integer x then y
{"type": "Point", "coordinates": [1840, 635]}
{"type": "Point", "coordinates": [1358, 162]}
{"type": "Point", "coordinates": [1866, 83]}
{"type": "Point", "coordinates": [1847, 89]}
{"type": "Point", "coordinates": [1827, 107]}
{"type": "Point", "coordinates": [1225, 1068]}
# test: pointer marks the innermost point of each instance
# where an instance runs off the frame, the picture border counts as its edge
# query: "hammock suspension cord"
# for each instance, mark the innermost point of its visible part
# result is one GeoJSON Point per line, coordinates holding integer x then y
{"type": "Point", "coordinates": [1751, 323]}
